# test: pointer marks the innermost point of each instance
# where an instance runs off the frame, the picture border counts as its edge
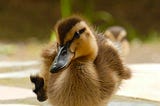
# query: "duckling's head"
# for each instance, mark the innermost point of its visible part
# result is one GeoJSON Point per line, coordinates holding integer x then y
{"type": "Point", "coordinates": [75, 40]}
{"type": "Point", "coordinates": [116, 33]}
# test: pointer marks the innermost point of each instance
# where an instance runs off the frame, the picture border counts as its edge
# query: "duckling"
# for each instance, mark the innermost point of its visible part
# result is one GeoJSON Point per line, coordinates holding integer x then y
{"type": "Point", "coordinates": [81, 68]}
{"type": "Point", "coordinates": [118, 36]}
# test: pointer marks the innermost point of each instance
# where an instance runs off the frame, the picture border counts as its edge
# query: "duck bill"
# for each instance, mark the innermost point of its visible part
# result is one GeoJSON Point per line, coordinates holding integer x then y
{"type": "Point", "coordinates": [62, 60]}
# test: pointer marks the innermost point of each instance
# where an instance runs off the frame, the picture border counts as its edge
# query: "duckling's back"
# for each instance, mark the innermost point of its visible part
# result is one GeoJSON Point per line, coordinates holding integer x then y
{"type": "Point", "coordinates": [109, 67]}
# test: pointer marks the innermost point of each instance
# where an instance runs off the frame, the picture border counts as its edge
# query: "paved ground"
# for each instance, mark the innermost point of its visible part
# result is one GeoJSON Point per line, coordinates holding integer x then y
{"type": "Point", "coordinates": [11, 93]}
{"type": "Point", "coordinates": [144, 82]}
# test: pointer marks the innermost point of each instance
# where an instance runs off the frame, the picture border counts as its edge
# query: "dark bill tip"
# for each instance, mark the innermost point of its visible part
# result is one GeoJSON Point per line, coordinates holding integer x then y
{"type": "Point", "coordinates": [55, 68]}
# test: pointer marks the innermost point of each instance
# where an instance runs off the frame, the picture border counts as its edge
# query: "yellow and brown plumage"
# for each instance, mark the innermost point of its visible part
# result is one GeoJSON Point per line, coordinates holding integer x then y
{"type": "Point", "coordinates": [81, 68]}
{"type": "Point", "coordinates": [118, 36]}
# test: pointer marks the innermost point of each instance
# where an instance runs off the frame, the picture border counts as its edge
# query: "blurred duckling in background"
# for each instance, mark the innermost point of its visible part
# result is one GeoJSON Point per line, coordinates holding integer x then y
{"type": "Point", "coordinates": [80, 69]}
{"type": "Point", "coordinates": [118, 36]}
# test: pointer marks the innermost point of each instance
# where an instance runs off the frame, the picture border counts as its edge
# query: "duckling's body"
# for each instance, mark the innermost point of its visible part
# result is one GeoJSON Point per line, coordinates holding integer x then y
{"type": "Point", "coordinates": [78, 85]}
{"type": "Point", "coordinates": [92, 76]}
{"type": "Point", "coordinates": [118, 36]}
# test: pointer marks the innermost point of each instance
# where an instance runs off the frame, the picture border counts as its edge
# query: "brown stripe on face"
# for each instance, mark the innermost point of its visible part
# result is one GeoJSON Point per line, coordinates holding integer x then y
{"type": "Point", "coordinates": [65, 26]}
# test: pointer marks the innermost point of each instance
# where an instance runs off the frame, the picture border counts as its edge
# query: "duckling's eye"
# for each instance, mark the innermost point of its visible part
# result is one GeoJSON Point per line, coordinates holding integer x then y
{"type": "Point", "coordinates": [78, 33]}
{"type": "Point", "coordinates": [82, 30]}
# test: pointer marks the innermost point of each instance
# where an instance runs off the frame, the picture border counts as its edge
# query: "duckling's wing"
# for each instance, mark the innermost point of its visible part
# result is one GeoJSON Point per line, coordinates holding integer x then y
{"type": "Point", "coordinates": [109, 60]}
